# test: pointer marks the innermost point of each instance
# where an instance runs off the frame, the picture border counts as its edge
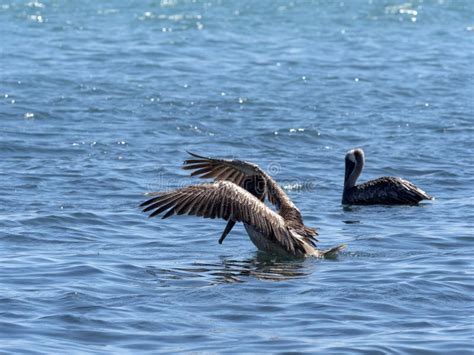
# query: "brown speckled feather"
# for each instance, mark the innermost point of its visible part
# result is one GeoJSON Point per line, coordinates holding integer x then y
{"type": "Point", "coordinates": [253, 179]}
{"type": "Point", "coordinates": [386, 190]}
{"type": "Point", "coordinates": [226, 200]}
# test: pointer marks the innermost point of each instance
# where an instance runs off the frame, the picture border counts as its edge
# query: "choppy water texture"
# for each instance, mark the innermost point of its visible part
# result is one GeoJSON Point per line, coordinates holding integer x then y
{"type": "Point", "coordinates": [100, 100]}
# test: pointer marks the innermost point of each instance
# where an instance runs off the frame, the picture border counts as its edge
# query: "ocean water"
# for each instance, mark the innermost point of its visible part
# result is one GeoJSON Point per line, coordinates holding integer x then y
{"type": "Point", "coordinates": [99, 102]}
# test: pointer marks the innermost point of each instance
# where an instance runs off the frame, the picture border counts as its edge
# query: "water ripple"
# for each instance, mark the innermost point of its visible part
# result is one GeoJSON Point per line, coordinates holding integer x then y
{"type": "Point", "coordinates": [98, 104]}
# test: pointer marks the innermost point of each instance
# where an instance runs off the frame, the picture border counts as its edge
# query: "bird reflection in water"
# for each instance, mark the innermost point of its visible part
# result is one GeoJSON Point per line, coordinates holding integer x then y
{"type": "Point", "coordinates": [261, 266]}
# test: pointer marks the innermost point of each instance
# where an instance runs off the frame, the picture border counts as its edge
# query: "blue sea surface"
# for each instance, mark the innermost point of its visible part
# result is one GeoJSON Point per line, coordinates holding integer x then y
{"type": "Point", "coordinates": [99, 101]}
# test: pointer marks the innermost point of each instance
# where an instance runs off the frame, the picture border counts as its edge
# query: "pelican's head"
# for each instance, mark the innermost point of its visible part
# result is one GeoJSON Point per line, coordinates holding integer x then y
{"type": "Point", "coordinates": [355, 160]}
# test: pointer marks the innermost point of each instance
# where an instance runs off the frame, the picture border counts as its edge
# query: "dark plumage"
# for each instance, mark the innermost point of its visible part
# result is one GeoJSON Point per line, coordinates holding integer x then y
{"type": "Point", "coordinates": [238, 195]}
{"type": "Point", "coordinates": [385, 190]}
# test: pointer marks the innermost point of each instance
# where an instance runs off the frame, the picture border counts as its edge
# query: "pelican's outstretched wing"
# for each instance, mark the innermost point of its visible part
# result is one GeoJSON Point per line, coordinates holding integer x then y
{"type": "Point", "coordinates": [226, 200]}
{"type": "Point", "coordinates": [250, 177]}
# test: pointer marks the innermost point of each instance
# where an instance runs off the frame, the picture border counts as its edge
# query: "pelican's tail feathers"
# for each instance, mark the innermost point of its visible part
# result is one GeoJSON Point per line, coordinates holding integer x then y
{"type": "Point", "coordinates": [332, 253]}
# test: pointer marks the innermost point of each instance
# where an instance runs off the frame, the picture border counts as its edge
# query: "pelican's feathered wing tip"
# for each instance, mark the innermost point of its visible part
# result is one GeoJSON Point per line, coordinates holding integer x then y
{"type": "Point", "coordinates": [427, 196]}
{"type": "Point", "coordinates": [196, 155]}
{"type": "Point", "coordinates": [153, 193]}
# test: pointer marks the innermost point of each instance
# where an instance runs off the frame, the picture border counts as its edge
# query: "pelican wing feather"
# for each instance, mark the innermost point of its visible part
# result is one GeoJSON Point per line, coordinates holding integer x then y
{"type": "Point", "coordinates": [226, 200]}
{"type": "Point", "coordinates": [388, 190]}
{"type": "Point", "coordinates": [253, 179]}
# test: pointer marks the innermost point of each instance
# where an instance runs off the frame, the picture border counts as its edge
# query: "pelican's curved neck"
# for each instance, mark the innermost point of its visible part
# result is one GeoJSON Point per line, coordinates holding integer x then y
{"type": "Point", "coordinates": [353, 171]}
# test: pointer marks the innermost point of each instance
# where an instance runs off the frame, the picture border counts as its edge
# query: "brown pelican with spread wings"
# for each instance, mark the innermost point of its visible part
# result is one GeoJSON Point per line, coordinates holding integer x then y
{"type": "Point", "coordinates": [386, 190]}
{"type": "Point", "coordinates": [237, 195]}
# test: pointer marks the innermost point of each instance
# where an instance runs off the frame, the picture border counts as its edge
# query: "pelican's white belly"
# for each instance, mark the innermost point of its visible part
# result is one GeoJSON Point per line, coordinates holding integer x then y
{"type": "Point", "coordinates": [262, 242]}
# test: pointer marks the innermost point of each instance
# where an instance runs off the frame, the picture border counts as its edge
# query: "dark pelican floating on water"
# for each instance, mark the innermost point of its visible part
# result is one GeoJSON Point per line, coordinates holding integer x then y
{"type": "Point", "coordinates": [237, 195]}
{"type": "Point", "coordinates": [386, 190]}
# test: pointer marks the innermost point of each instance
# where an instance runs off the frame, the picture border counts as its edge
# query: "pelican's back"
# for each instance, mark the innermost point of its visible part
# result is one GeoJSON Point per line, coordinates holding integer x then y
{"type": "Point", "coordinates": [385, 191]}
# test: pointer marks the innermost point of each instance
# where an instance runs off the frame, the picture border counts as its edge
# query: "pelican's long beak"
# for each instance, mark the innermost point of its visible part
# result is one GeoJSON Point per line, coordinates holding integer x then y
{"type": "Point", "coordinates": [227, 229]}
